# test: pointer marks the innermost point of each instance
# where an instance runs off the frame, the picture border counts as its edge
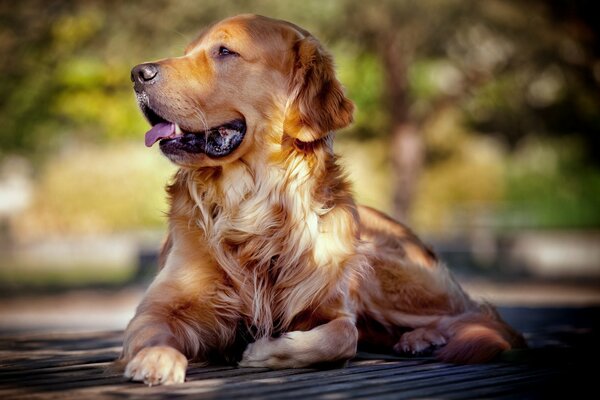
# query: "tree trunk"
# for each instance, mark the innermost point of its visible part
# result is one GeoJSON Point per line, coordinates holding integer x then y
{"type": "Point", "coordinates": [407, 150]}
{"type": "Point", "coordinates": [407, 162]}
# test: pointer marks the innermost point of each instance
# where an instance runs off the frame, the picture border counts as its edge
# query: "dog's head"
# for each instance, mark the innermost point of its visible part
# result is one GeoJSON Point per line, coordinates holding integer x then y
{"type": "Point", "coordinates": [240, 79]}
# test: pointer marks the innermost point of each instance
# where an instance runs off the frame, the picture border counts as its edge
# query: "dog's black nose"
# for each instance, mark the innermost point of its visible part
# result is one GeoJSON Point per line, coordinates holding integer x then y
{"type": "Point", "coordinates": [144, 73]}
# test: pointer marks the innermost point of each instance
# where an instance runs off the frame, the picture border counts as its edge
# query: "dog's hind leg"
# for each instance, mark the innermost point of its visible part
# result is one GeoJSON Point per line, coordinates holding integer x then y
{"type": "Point", "coordinates": [420, 340]}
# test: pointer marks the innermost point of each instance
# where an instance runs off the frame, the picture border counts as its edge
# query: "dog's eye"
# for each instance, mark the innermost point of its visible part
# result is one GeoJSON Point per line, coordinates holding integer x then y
{"type": "Point", "coordinates": [224, 51]}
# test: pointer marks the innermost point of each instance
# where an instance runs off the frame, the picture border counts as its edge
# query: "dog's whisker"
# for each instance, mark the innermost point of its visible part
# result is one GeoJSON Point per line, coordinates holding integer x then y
{"type": "Point", "coordinates": [202, 117]}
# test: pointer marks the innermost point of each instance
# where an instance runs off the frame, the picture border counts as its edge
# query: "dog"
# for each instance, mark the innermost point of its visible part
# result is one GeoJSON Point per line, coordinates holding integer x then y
{"type": "Point", "coordinates": [269, 262]}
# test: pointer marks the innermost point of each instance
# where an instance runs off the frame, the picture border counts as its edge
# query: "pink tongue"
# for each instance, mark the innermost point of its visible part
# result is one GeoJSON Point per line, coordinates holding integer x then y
{"type": "Point", "coordinates": [162, 130]}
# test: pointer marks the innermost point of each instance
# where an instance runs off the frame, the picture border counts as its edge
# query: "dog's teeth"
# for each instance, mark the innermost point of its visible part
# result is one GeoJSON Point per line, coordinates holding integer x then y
{"type": "Point", "coordinates": [178, 131]}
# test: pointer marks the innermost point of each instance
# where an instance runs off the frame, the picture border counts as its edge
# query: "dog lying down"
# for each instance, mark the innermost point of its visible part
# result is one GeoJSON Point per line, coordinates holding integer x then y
{"type": "Point", "coordinates": [268, 260]}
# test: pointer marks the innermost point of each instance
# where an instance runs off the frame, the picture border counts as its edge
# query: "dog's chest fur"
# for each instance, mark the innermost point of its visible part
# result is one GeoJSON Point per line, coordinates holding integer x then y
{"type": "Point", "coordinates": [265, 228]}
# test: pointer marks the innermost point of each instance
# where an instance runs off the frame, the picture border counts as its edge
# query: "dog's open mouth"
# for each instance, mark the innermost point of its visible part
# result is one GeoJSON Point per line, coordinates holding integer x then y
{"type": "Point", "coordinates": [217, 141]}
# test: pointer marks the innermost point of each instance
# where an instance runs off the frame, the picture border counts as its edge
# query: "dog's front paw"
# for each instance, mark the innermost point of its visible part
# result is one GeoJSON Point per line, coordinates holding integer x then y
{"type": "Point", "coordinates": [157, 365]}
{"type": "Point", "coordinates": [287, 351]}
{"type": "Point", "coordinates": [258, 354]}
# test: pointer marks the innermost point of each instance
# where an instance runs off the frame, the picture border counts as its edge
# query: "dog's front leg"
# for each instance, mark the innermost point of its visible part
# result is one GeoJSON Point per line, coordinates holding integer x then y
{"type": "Point", "coordinates": [152, 352]}
{"type": "Point", "coordinates": [177, 320]}
{"type": "Point", "coordinates": [334, 341]}
{"type": "Point", "coordinates": [157, 365]}
{"type": "Point", "coordinates": [164, 334]}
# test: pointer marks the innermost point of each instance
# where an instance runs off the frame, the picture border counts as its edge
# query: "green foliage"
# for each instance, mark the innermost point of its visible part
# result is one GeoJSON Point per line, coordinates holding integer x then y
{"type": "Point", "coordinates": [492, 85]}
{"type": "Point", "coordinates": [96, 98]}
{"type": "Point", "coordinates": [99, 190]}
{"type": "Point", "coordinates": [18, 277]}
{"type": "Point", "coordinates": [465, 172]}
{"type": "Point", "coordinates": [549, 186]}
{"type": "Point", "coordinates": [362, 76]}
{"type": "Point", "coordinates": [367, 164]}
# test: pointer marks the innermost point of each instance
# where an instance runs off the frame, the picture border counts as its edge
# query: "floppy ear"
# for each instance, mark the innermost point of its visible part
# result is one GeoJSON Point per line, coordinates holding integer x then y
{"type": "Point", "coordinates": [317, 102]}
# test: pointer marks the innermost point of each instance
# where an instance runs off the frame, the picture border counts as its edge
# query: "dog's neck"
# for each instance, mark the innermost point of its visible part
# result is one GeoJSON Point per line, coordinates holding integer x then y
{"type": "Point", "coordinates": [255, 195]}
{"type": "Point", "coordinates": [280, 173]}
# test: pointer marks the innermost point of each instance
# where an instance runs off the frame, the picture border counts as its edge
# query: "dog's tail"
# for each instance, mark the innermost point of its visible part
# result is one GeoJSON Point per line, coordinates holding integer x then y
{"type": "Point", "coordinates": [478, 337]}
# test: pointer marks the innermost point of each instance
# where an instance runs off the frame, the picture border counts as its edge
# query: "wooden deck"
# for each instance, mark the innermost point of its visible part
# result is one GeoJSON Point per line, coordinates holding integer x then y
{"type": "Point", "coordinates": [73, 366]}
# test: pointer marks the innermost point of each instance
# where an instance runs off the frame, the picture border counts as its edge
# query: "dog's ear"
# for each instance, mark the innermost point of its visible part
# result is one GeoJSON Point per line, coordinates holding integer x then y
{"type": "Point", "coordinates": [317, 104]}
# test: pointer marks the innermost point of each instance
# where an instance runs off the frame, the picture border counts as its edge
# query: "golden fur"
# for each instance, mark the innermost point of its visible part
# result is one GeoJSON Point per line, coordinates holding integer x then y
{"type": "Point", "coordinates": [267, 249]}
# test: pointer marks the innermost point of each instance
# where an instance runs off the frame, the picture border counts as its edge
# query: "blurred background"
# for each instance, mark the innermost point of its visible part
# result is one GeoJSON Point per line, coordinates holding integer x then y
{"type": "Point", "coordinates": [477, 123]}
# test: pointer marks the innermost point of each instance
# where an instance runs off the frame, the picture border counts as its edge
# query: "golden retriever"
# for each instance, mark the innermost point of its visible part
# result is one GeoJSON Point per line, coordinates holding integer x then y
{"type": "Point", "coordinates": [268, 260]}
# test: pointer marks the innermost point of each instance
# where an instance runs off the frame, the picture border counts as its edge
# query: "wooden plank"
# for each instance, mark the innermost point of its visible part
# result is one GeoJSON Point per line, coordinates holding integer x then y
{"type": "Point", "coordinates": [266, 385]}
{"type": "Point", "coordinates": [32, 373]}
{"type": "Point", "coordinates": [351, 384]}
{"type": "Point", "coordinates": [73, 366]}
{"type": "Point", "coordinates": [80, 372]}
{"type": "Point", "coordinates": [449, 386]}
{"type": "Point", "coordinates": [366, 381]}
{"type": "Point", "coordinates": [519, 385]}
{"type": "Point", "coordinates": [106, 386]}
{"type": "Point", "coordinates": [61, 360]}
{"type": "Point", "coordinates": [255, 377]}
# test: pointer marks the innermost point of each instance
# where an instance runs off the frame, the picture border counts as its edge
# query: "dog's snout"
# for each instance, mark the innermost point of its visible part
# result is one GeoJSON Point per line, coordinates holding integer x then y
{"type": "Point", "coordinates": [144, 73]}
